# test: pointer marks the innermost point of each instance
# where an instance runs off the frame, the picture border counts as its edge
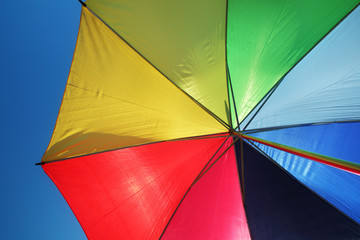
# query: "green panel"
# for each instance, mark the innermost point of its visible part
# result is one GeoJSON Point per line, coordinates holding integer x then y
{"type": "Point", "coordinates": [267, 38]}
{"type": "Point", "coordinates": [185, 40]}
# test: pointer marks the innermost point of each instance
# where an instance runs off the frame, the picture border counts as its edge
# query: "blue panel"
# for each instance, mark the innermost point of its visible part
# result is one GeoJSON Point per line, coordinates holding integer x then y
{"type": "Point", "coordinates": [339, 140]}
{"type": "Point", "coordinates": [340, 188]}
{"type": "Point", "coordinates": [279, 207]}
{"type": "Point", "coordinates": [324, 86]}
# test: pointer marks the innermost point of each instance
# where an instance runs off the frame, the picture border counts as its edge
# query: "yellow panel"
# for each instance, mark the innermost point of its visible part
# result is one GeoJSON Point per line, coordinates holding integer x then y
{"type": "Point", "coordinates": [114, 99]}
{"type": "Point", "coordinates": [184, 39]}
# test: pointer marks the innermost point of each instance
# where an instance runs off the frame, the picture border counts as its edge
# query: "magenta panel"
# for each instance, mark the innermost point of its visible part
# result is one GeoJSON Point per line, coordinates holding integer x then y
{"type": "Point", "coordinates": [213, 208]}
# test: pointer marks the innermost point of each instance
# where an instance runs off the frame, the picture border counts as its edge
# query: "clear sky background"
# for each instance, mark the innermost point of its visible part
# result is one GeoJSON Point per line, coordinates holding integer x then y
{"type": "Point", "coordinates": [37, 43]}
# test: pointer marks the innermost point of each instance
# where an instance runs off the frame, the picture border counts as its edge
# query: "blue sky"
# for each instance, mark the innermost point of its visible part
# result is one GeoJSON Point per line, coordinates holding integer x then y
{"type": "Point", "coordinates": [37, 43]}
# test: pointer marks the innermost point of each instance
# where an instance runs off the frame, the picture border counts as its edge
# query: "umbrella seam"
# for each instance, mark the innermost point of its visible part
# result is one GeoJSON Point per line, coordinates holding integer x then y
{"type": "Point", "coordinates": [201, 174]}
{"type": "Point", "coordinates": [193, 99]}
{"type": "Point", "coordinates": [216, 135]}
{"type": "Point", "coordinates": [267, 96]}
{"type": "Point", "coordinates": [294, 178]}
{"type": "Point", "coordinates": [317, 43]}
{"type": "Point", "coordinates": [257, 130]}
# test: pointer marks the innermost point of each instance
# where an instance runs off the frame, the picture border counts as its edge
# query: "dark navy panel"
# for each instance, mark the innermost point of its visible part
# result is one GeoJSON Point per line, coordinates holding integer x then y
{"type": "Point", "coordinates": [278, 207]}
{"type": "Point", "coordinates": [340, 188]}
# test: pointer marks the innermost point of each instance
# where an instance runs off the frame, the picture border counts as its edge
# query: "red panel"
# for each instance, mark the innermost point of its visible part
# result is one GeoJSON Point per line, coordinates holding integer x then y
{"type": "Point", "coordinates": [131, 193]}
{"type": "Point", "coordinates": [213, 208]}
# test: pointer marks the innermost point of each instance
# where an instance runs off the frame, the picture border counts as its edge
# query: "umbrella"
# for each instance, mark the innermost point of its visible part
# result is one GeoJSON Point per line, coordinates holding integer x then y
{"type": "Point", "coordinates": [212, 120]}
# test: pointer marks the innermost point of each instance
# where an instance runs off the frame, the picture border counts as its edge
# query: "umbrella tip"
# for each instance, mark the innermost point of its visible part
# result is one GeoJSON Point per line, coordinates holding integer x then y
{"type": "Point", "coordinates": [82, 3]}
{"type": "Point", "coordinates": [39, 163]}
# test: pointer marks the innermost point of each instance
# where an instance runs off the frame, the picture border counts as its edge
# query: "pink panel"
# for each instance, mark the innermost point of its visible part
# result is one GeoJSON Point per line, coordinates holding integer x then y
{"type": "Point", "coordinates": [213, 208]}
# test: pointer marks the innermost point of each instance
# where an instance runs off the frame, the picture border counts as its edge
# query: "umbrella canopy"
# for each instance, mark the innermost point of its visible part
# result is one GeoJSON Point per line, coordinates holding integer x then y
{"type": "Point", "coordinates": [212, 120]}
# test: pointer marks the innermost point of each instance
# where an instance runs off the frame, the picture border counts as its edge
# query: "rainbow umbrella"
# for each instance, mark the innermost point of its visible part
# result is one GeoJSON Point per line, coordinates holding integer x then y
{"type": "Point", "coordinates": [212, 120]}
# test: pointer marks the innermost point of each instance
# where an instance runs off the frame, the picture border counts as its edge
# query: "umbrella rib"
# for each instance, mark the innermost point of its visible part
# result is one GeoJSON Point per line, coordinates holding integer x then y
{"type": "Point", "coordinates": [317, 43]}
{"type": "Point", "coordinates": [266, 97]}
{"type": "Point", "coordinates": [204, 168]}
{"type": "Point", "coordinates": [247, 115]}
{"type": "Point", "coordinates": [242, 168]}
{"type": "Point", "coordinates": [210, 136]}
{"type": "Point", "coordinates": [227, 72]}
{"type": "Point", "coordinates": [200, 175]}
{"type": "Point", "coordinates": [297, 180]}
{"type": "Point", "coordinates": [187, 191]}
{"type": "Point", "coordinates": [228, 95]}
{"type": "Point", "coordinates": [232, 94]}
{"type": "Point", "coordinates": [258, 130]}
{"type": "Point", "coordinates": [242, 181]}
{"type": "Point", "coordinates": [82, 3]}
{"type": "Point", "coordinates": [241, 175]}
{"type": "Point", "coordinates": [157, 69]}
{"type": "Point", "coordinates": [331, 161]}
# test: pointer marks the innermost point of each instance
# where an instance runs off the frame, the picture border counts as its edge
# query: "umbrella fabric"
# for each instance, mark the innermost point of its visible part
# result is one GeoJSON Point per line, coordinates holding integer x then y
{"type": "Point", "coordinates": [212, 120]}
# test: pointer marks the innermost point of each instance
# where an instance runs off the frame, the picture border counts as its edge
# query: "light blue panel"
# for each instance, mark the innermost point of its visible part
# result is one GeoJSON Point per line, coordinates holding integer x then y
{"type": "Point", "coordinates": [340, 188]}
{"type": "Point", "coordinates": [324, 86]}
